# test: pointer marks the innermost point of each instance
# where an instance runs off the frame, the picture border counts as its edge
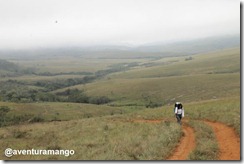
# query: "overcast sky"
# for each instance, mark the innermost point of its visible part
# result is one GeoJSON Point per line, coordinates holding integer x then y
{"type": "Point", "coordinates": [44, 23]}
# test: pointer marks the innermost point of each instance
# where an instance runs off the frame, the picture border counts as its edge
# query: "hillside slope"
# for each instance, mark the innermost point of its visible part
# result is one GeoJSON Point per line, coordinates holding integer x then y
{"type": "Point", "coordinates": [206, 76]}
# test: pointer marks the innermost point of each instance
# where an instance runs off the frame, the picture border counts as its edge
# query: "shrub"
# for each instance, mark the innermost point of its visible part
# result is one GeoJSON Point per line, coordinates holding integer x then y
{"type": "Point", "coordinates": [99, 100]}
{"type": "Point", "coordinates": [78, 98]}
{"type": "Point", "coordinates": [189, 58]}
{"type": "Point", "coordinates": [153, 105]}
{"type": "Point", "coordinates": [4, 110]}
{"type": "Point", "coordinates": [36, 119]}
{"type": "Point", "coordinates": [18, 133]}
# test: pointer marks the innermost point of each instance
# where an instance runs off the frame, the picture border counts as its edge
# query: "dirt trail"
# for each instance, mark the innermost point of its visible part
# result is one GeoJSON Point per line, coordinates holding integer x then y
{"type": "Point", "coordinates": [229, 142]}
{"type": "Point", "coordinates": [186, 145]}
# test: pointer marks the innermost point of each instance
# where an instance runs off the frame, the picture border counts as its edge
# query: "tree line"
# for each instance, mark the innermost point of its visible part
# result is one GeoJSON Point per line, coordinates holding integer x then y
{"type": "Point", "coordinates": [69, 95]}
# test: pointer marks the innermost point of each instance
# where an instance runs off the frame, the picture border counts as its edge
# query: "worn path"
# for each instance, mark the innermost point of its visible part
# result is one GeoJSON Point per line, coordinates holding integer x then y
{"type": "Point", "coordinates": [229, 142]}
{"type": "Point", "coordinates": [186, 144]}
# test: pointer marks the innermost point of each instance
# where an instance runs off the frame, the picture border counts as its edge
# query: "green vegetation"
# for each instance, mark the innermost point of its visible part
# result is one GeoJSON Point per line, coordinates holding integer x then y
{"type": "Point", "coordinates": [26, 113]}
{"type": "Point", "coordinates": [111, 141]}
{"type": "Point", "coordinates": [91, 104]}
{"type": "Point", "coordinates": [3, 112]}
{"type": "Point", "coordinates": [10, 69]}
{"type": "Point", "coordinates": [206, 144]}
{"type": "Point", "coordinates": [224, 110]}
{"type": "Point", "coordinates": [224, 61]}
{"type": "Point", "coordinates": [159, 90]}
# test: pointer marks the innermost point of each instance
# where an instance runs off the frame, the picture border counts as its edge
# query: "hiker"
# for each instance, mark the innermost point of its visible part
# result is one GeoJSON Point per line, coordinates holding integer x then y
{"type": "Point", "coordinates": [179, 112]}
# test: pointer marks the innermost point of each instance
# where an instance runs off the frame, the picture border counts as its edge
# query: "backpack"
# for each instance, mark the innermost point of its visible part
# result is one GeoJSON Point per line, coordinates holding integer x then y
{"type": "Point", "coordinates": [178, 105]}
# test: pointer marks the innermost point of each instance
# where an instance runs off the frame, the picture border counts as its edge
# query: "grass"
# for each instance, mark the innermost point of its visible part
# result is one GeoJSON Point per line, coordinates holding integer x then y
{"type": "Point", "coordinates": [226, 110]}
{"type": "Point", "coordinates": [206, 143]}
{"type": "Point", "coordinates": [208, 86]}
{"type": "Point", "coordinates": [54, 64]}
{"type": "Point", "coordinates": [60, 111]}
{"type": "Point", "coordinates": [224, 61]}
{"type": "Point", "coordinates": [207, 76]}
{"type": "Point", "coordinates": [94, 139]}
{"type": "Point", "coordinates": [117, 138]}
{"type": "Point", "coordinates": [166, 90]}
{"type": "Point", "coordinates": [36, 78]}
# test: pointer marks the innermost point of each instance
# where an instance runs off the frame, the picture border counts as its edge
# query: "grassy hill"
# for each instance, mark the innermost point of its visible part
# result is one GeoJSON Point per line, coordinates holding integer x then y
{"type": "Point", "coordinates": [117, 137]}
{"type": "Point", "coordinates": [168, 90]}
{"type": "Point", "coordinates": [8, 68]}
{"type": "Point", "coordinates": [224, 61]}
{"type": "Point", "coordinates": [207, 84]}
{"type": "Point", "coordinates": [206, 76]}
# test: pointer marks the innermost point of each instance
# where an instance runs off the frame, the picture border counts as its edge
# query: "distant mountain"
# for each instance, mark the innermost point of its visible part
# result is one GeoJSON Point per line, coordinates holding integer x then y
{"type": "Point", "coordinates": [9, 69]}
{"type": "Point", "coordinates": [119, 51]}
{"type": "Point", "coordinates": [8, 66]}
{"type": "Point", "coordinates": [193, 46]}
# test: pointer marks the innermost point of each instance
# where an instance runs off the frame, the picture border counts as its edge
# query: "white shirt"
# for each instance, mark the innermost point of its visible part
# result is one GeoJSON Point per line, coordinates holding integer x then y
{"type": "Point", "coordinates": [179, 111]}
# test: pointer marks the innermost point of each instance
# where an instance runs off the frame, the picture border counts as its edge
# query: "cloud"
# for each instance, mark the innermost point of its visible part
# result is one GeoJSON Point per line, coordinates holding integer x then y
{"type": "Point", "coordinates": [43, 23]}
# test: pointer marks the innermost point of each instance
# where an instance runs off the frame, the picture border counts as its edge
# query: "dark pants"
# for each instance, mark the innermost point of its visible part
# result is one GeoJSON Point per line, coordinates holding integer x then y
{"type": "Point", "coordinates": [178, 116]}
